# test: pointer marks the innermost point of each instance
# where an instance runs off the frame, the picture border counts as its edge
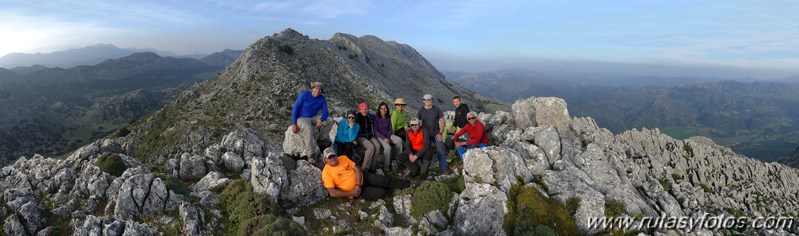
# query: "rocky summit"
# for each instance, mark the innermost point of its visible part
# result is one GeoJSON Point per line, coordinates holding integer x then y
{"type": "Point", "coordinates": [212, 163]}
{"type": "Point", "coordinates": [535, 177]}
{"type": "Point", "coordinates": [259, 89]}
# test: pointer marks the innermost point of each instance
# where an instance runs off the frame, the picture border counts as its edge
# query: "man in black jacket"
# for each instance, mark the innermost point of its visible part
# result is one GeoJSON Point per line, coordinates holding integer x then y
{"type": "Point", "coordinates": [460, 114]}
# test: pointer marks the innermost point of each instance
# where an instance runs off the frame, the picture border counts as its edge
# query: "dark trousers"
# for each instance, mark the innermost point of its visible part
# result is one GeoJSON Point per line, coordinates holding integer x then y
{"type": "Point", "coordinates": [421, 164]}
{"type": "Point", "coordinates": [344, 148]}
{"type": "Point", "coordinates": [402, 134]}
{"type": "Point", "coordinates": [376, 186]}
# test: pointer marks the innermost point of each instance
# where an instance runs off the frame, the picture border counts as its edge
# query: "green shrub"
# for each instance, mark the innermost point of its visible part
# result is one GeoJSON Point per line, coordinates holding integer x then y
{"type": "Point", "coordinates": [174, 184]}
{"type": "Point", "coordinates": [111, 163]}
{"type": "Point", "coordinates": [242, 204]}
{"type": "Point", "coordinates": [613, 208]}
{"type": "Point", "coordinates": [529, 211]}
{"type": "Point", "coordinates": [269, 225]}
{"type": "Point", "coordinates": [430, 196]}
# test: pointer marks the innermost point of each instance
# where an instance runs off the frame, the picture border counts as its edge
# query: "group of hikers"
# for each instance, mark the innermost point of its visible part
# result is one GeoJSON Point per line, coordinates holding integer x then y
{"type": "Point", "coordinates": [415, 141]}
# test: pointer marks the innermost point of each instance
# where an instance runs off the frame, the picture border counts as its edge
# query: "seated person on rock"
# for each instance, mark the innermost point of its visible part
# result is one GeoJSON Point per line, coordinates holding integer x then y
{"type": "Point", "coordinates": [418, 154]}
{"type": "Point", "coordinates": [366, 137]}
{"type": "Point", "coordinates": [398, 116]}
{"type": "Point", "coordinates": [342, 178]}
{"type": "Point", "coordinates": [384, 136]}
{"type": "Point", "coordinates": [346, 135]}
{"type": "Point", "coordinates": [305, 118]}
{"type": "Point", "coordinates": [477, 135]}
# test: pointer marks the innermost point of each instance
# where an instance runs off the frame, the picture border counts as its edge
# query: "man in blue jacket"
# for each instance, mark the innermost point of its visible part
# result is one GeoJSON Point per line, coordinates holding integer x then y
{"type": "Point", "coordinates": [305, 117]}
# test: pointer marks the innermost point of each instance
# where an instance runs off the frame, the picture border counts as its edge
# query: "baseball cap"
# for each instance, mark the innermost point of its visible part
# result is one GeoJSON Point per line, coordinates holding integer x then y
{"type": "Point", "coordinates": [314, 84]}
{"type": "Point", "coordinates": [427, 97]}
{"type": "Point", "coordinates": [329, 152]}
{"type": "Point", "coordinates": [415, 121]}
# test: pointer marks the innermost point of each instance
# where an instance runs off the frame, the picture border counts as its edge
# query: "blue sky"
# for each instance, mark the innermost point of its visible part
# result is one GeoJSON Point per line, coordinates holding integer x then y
{"type": "Point", "coordinates": [751, 34]}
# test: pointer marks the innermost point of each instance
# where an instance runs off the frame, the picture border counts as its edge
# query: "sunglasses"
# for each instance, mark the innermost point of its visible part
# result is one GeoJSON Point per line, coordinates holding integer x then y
{"type": "Point", "coordinates": [471, 118]}
{"type": "Point", "coordinates": [350, 117]}
{"type": "Point", "coordinates": [331, 157]}
{"type": "Point", "coordinates": [414, 125]}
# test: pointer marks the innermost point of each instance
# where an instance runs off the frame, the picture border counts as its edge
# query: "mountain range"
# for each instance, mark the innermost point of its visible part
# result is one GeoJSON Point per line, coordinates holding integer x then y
{"type": "Point", "coordinates": [756, 118]}
{"type": "Point", "coordinates": [89, 55]}
{"type": "Point", "coordinates": [210, 162]}
{"type": "Point", "coordinates": [53, 110]}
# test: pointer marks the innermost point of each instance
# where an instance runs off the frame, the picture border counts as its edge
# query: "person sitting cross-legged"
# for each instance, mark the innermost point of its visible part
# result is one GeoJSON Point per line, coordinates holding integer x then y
{"type": "Point", "coordinates": [477, 135]}
{"type": "Point", "coordinates": [342, 178]}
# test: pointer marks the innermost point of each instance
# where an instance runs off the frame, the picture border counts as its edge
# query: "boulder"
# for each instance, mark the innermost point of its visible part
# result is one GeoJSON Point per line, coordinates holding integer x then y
{"type": "Point", "coordinates": [191, 167]}
{"type": "Point", "coordinates": [481, 210]}
{"type": "Point", "coordinates": [497, 166]}
{"type": "Point", "coordinates": [546, 137]}
{"type": "Point", "coordinates": [13, 226]}
{"type": "Point", "coordinates": [133, 228]}
{"type": "Point", "coordinates": [33, 215]}
{"type": "Point", "coordinates": [536, 111]}
{"type": "Point", "coordinates": [191, 219]}
{"type": "Point", "coordinates": [245, 142]}
{"type": "Point", "coordinates": [305, 185]}
{"type": "Point", "coordinates": [212, 181]}
{"type": "Point", "coordinates": [232, 162]}
{"type": "Point", "coordinates": [268, 176]}
{"type": "Point", "coordinates": [294, 144]}
{"type": "Point", "coordinates": [141, 195]}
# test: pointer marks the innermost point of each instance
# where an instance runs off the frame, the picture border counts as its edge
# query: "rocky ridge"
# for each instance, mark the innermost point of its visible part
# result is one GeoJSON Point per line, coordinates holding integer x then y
{"type": "Point", "coordinates": [259, 89]}
{"type": "Point", "coordinates": [645, 172]}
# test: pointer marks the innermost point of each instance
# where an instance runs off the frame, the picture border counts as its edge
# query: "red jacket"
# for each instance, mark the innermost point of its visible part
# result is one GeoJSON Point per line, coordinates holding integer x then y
{"type": "Point", "coordinates": [476, 131]}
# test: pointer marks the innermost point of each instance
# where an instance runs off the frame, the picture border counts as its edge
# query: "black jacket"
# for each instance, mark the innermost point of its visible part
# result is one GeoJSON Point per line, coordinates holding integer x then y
{"type": "Point", "coordinates": [460, 115]}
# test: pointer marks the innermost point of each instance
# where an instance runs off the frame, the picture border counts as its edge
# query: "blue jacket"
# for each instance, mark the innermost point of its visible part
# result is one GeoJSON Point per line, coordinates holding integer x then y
{"type": "Point", "coordinates": [346, 134]}
{"type": "Point", "coordinates": [307, 106]}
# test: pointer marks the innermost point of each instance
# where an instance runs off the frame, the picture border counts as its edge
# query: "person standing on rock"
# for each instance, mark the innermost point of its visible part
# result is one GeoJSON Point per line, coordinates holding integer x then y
{"type": "Point", "coordinates": [417, 154]}
{"type": "Point", "coordinates": [433, 122]}
{"type": "Point", "coordinates": [342, 178]}
{"type": "Point", "coordinates": [477, 135]}
{"type": "Point", "coordinates": [346, 135]}
{"type": "Point", "coordinates": [305, 117]}
{"type": "Point", "coordinates": [398, 116]}
{"type": "Point", "coordinates": [383, 132]}
{"type": "Point", "coordinates": [460, 114]}
{"type": "Point", "coordinates": [366, 137]}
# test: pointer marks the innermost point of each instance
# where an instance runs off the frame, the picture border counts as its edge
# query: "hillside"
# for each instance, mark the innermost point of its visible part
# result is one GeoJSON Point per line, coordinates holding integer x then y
{"type": "Point", "coordinates": [51, 110]}
{"type": "Point", "coordinates": [757, 119]}
{"type": "Point", "coordinates": [88, 55]}
{"type": "Point", "coordinates": [259, 89]}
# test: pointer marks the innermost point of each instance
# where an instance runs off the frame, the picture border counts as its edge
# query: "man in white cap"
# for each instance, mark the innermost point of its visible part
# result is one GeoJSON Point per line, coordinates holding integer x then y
{"type": "Point", "coordinates": [433, 122]}
{"type": "Point", "coordinates": [342, 178]}
{"type": "Point", "coordinates": [305, 117]}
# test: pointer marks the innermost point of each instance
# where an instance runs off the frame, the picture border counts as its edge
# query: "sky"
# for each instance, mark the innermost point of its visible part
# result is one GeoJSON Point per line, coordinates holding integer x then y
{"type": "Point", "coordinates": [453, 35]}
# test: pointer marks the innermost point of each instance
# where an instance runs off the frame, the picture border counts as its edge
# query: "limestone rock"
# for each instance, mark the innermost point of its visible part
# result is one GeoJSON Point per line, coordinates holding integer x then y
{"type": "Point", "coordinates": [33, 215]}
{"type": "Point", "coordinates": [133, 228]}
{"type": "Point", "coordinates": [536, 111]}
{"type": "Point", "coordinates": [245, 142]}
{"type": "Point", "coordinates": [305, 185]}
{"type": "Point", "coordinates": [191, 220]}
{"type": "Point", "coordinates": [232, 162]}
{"type": "Point", "coordinates": [13, 226]}
{"type": "Point", "coordinates": [191, 167]}
{"type": "Point", "coordinates": [212, 181]}
{"type": "Point", "coordinates": [497, 166]}
{"type": "Point", "coordinates": [141, 195]}
{"type": "Point", "coordinates": [481, 210]}
{"type": "Point", "coordinates": [547, 138]}
{"type": "Point", "coordinates": [268, 176]}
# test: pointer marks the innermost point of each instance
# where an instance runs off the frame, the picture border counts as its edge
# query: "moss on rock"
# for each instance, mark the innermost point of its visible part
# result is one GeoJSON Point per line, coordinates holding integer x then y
{"type": "Point", "coordinates": [529, 211]}
{"type": "Point", "coordinates": [430, 196]}
{"type": "Point", "coordinates": [269, 225]}
{"type": "Point", "coordinates": [111, 163]}
{"type": "Point", "coordinates": [254, 213]}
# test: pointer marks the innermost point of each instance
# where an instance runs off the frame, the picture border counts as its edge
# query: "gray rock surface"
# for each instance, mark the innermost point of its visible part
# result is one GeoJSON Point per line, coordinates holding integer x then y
{"type": "Point", "coordinates": [268, 176]}
{"type": "Point", "coordinates": [191, 167]}
{"type": "Point", "coordinates": [481, 210]}
{"type": "Point", "coordinates": [497, 166]}
{"type": "Point", "coordinates": [305, 185]}
{"type": "Point", "coordinates": [213, 181]}
{"type": "Point", "coordinates": [232, 161]}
